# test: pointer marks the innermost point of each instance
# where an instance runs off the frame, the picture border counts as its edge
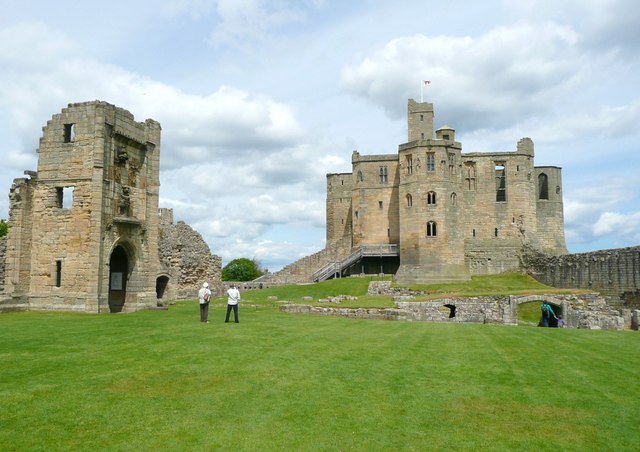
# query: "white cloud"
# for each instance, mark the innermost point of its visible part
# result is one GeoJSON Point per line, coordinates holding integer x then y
{"type": "Point", "coordinates": [482, 80]}
{"type": "Point", "coordinates": [624, 226]}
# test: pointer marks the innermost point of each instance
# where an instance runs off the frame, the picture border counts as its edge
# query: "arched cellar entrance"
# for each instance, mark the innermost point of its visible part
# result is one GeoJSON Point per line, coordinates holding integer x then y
{"type": "Point", "coordinates": [118, 271]}
{"type": "Point", "coordinates": [530, 314]}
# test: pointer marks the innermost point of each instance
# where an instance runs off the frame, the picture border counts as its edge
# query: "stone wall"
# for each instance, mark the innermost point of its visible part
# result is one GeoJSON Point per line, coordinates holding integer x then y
{"type": "Point", "coordinates": [589, 311]}
{"type": "Point", "coordinates": [3, 253]}
{"type": "Point", "coordinates": [615, 273]}
{"type": "Point", "coordinates": [188, 261]}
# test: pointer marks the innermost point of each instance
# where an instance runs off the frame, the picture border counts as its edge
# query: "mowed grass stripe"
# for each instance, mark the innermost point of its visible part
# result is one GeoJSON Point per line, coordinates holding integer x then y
{"type": "Point", "coordinates": [162, 380]}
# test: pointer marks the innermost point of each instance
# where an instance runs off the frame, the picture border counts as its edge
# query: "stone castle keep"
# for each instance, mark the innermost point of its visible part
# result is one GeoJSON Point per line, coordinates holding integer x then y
{"type": "Point", "coordinates": [433, 214]}
{"type": "Point", "coordinates": [85, 229]}
{"type": "Point", "coordinates": [448, 214]}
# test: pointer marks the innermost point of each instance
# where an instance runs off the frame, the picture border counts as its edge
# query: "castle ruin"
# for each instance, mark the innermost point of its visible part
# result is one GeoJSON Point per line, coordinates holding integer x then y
{"type": "Point", "coordinates": [85, 231]}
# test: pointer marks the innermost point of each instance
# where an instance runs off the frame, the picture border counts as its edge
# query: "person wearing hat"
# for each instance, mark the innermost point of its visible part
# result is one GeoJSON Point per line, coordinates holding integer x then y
{"type": "Point", "coordinates": [204, 295]}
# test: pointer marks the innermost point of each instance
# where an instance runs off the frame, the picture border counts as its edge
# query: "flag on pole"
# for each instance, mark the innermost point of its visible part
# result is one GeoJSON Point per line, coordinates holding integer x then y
{"type": "Point", "coordinates": [422, 85]}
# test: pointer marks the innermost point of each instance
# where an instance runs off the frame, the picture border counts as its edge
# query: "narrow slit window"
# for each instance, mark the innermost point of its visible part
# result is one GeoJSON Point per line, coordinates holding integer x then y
{"type": "Point", "coordinates": [58, 273]}
{"type": "Point", "coordinates": [409, 200]}
{"type": "Point", "coordinates": [501, 183]}
{"type": "Point", "coordinates": [431, 198]}
{"type": "Point", "coordinates": [380, 204]}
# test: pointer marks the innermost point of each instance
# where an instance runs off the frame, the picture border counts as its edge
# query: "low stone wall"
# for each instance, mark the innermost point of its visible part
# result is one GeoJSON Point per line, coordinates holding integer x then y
{"type": "Point", "coordinates": [589, 311]}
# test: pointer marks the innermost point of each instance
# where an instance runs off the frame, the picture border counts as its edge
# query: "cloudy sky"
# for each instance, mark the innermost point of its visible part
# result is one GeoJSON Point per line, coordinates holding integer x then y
{"type": "Point", "coordinates": [259, 99]}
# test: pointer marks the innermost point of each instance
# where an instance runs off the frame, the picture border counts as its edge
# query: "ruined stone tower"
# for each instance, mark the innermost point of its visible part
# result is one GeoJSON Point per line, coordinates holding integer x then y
{"type": "Point", "coordinates": [84, 227]}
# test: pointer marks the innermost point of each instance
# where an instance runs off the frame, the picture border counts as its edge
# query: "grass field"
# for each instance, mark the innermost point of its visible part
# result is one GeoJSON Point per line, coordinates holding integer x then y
{"type": "Point", "coordinates": [160, 380]}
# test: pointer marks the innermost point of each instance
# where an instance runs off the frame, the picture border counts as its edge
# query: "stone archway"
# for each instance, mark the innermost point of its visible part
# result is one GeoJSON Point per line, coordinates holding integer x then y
{"type": "Point", "coordinates": [118, 273]}
{"type": "Point", "coordinates": [559, 306]}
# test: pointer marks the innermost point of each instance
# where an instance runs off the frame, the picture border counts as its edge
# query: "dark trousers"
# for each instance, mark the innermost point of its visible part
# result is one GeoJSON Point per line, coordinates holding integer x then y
{"type": "Point", "coordinates": [235, 312]}
{"type": "Point", "coordinates": [204, 312]}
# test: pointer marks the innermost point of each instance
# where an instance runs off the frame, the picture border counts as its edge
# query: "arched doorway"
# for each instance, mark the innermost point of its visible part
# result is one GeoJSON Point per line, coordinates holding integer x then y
{"type": "Point", "coordinates": [118, 271]}
{"type": "Point", "coordinates": [161, 286]}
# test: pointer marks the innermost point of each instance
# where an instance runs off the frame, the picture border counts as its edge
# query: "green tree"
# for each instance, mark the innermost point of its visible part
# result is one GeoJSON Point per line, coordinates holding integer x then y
{"type": "Point", "coordinates": [4, 228]}
{"type": "Point", "coordinates": [242, 269]}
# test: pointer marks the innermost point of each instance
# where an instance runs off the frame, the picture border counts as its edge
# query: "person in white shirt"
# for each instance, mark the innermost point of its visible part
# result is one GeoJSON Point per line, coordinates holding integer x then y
{"type": "Point", "coordinates": [204, 295]}
{"type": "Point", "coordinates": [232, 302]}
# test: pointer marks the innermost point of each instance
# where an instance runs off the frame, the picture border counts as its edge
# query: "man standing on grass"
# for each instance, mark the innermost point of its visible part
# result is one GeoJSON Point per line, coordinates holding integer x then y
{"type": "Point", "coordinates": [204, 295]}
{"type": "Point", "coordinates": [232, 302]}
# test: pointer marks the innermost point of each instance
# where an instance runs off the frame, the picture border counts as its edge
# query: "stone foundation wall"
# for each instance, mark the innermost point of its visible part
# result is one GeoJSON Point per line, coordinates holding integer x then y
{"type": "Point", "coordinates": [589, 311]}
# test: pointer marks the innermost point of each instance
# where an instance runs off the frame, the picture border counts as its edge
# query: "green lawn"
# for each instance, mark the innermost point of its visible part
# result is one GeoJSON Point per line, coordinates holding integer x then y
{"type": "Point", "coordinates": [159, 380]}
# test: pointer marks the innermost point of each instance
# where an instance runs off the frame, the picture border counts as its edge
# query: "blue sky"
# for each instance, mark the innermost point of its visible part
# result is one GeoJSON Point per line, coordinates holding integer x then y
{"type": "Point", "coordinates": [258, 100]}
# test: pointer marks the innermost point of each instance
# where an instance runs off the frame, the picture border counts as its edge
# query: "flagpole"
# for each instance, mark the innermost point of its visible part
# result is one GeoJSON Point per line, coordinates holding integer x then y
{"type": "Point", "coordinates": [421, 91]}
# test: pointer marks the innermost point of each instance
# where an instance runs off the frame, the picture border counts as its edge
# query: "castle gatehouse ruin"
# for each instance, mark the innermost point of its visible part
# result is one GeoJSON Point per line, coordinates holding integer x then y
{"type": "Point", "coordinates": [85, 230]}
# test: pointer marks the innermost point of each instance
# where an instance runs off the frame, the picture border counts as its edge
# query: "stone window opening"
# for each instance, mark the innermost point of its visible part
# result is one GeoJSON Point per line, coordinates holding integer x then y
{"type": "Point", "coordinates": [69, 133]}
{"type": "Point", "coordinates": [501, 182]}
{"type": "Point", "coordinates": [431, 161]}
{"type": "Point", "coordinates": [409, 164]}
{"type": "Point", "coordinates": [454, 199]}
{"type": "Point", "coordinates": [543, 186]}
{"type": "Point", "coordinates": [422, 118]}
{"type": "Point", "coordinates": [388, 232]}
{"type": "Point", "coordinates": [422, 135]}
{"type": "Point", "coordinates": [58, 273]}
{"type": "Point", "coordinates": [473, 232]}
{"type": "Point", "coordinates": [383, 174]}
{"type": "Point", "coordinates": [360, 176]}
{"type": "Point", "coordinates": [431, 229]}
{"type": "Point", "coordinates": [380, 204]}
{"type": "Point", "coordinates": [64, 197]}
{"type": "Point", "coordinates": [470, 175]}
{"type": "Point", "coordinates": [495, 232]}
{"type": "Point", "coordinates": [409, 200]}
{"type": "Point", "coordinates": [431, 198]}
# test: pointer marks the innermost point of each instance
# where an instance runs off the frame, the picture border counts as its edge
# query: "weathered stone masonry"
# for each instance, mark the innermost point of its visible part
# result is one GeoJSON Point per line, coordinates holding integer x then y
{"type": "Point", "coordinates": [442, 215]}
{"type": "Point", "coordinates": [84, 229]}
{"type": "Point", "coordinates": [614, 273]}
